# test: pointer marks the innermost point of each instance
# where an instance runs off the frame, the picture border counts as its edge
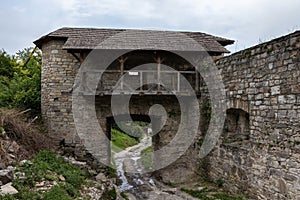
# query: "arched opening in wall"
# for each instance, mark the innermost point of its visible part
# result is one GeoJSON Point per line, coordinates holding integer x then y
{"type": "Point", "coordinates": [236, 127]}
{"type": "Point", "coordinates": [131, 147]}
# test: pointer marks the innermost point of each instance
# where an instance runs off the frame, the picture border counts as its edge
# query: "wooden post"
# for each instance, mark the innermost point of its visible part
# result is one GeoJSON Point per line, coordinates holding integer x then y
{"type": "Point", "coordinates": [122, 61]}
{"type": "Point", "coordinates": [158, 60]}
{"type": "Point", "coordinates": [141, 81]}
{"type": "Point", "coordinates": [197, 80]}
{"type": "Point", "coordinates": [197, 61]}
{"type": "Point", "coordinates": [178, 81]}
{"type": "Point", "coordinates": [173, 83]}
{"type": "Point", "coordinates": [84, 87]}
{"type": "Point", "coordinates": [158, 72]}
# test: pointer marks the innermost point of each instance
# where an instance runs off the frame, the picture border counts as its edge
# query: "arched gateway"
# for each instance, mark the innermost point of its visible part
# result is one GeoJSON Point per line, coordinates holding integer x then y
{"type": "Point", "coordinates": [165, 78]}
{"type": "Point", "coordinates": [156, 74]}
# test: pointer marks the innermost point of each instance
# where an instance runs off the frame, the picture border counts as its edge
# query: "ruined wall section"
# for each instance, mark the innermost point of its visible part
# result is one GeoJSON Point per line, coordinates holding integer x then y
{"type": "Point", "coordinates": [264, 83]}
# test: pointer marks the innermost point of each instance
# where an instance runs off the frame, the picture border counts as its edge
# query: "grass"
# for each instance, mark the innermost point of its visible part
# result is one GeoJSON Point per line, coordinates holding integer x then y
{"type": "Point", "coordinates": [147, 157]}
{"type": "Point", "coordinates": [205, 194]}
{"type": "Point", "coordinates": [56, 193]}
{"type": "Point", "coordinates": [46, 161]}
{"type": "Point", "coordinates": [121, 141]}
{"type": "Point", "coordinates": [124, 196]}
{"type": "Point", "coordinates": [170, 184]}
{"type": "Point", "coordinates": [201, 194]}
{"type": "Point", "coordinates": [24, 194]}
{"type": "Point", "coordinates": [47, 166]}
{"type": "Point", "coordinates": [109, 195]}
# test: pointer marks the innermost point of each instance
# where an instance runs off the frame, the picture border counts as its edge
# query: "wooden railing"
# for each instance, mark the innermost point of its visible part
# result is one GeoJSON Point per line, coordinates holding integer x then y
{"type": "Point", "coordinates": [141, 82]}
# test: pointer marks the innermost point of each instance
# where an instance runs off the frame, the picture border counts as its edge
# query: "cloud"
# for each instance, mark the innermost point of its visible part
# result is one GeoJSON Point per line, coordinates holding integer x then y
{"type": "Point", "coordinates": [246, 21]}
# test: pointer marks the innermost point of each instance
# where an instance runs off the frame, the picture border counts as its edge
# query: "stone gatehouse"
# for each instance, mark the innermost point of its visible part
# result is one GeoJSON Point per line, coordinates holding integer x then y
{"type": "Point", "coordinates": [258, 152]}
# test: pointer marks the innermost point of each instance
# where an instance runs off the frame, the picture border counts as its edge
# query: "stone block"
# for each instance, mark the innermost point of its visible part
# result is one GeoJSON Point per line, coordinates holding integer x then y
{"type": "Point", "coordinates": [8, 189]}
{"type": "Point", "coordinates": [291, 99]}
{"type": "Point", "coordinates": [6, 175]}
{"type": "Point", "coordinates": [295, 89]}
{"type": "Point", "coordinates": [275, 90]}
{"type": "Point", "coordinates": [54, 51]}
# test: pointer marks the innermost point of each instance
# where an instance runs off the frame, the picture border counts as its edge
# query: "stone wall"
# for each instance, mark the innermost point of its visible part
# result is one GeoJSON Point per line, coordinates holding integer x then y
{"type": "Point", "coordinates": [258, 153]}
{"type": "Point", "coordinates": [263, 88]}
{"type": "Point", "coordinates": [59, 69]}
{"type": "Point", "coordinates": [58, 74]}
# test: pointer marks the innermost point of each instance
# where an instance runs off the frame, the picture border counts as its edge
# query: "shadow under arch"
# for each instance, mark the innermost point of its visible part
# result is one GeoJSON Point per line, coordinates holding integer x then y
{"type": "Point", "coordinates": [155, 122]}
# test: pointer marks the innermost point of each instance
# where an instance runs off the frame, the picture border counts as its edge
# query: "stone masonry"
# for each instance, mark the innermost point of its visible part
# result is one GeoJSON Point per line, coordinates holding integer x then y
{"type": "Point", "coordinates": [58, 75]}
{"type": "Point", "coordinates": [259, 151]}
{"type": "Point", "coordinates": [262, 82]}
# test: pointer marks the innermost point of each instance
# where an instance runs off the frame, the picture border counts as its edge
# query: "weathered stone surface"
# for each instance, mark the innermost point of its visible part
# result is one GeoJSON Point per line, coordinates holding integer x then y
{"type": "Point", "coordinates": [101, 177]}
{"type": "Point", "coordinates": [8, 189]}
{"type": "Point", "coordinates": [6, 175]}
{"type": "Point", "coordinates": [61, 178]}
{"type": "Point", "coordinates": [262, 85]}
{"type": "Point", "coordinates": [273, 93]}
{"type": "Point", "coordinates": [58, 75]}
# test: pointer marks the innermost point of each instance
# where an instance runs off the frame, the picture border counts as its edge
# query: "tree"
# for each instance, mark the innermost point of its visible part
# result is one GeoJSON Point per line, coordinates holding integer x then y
{"type": "Point", "coordinates": [20, 79]}
{"type": "Point", "coordinates": [6, 65]}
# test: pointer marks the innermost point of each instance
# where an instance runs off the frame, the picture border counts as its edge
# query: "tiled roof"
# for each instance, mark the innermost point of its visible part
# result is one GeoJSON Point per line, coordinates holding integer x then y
{"type": "Point", "coordinates": [130, 39]}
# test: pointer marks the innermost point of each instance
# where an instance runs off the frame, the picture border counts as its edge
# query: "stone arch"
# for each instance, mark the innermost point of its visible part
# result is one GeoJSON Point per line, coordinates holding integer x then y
{"type": "Point", "coordinates": [110, 120]}
{"type": "Point", "coordinates": [238, 104]}
{"type": "Point", "coordinates": [165, 129]}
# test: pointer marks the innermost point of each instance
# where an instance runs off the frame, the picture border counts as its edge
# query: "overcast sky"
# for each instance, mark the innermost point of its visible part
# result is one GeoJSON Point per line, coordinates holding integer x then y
{"type": "Point", "coordinates": [248, 22]}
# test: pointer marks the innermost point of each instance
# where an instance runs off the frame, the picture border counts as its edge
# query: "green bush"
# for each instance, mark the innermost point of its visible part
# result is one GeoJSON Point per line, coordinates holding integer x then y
{"type": "Point", "coordinates": [7, 64]}
{"type": "Point", "coordinates": [20, 80]}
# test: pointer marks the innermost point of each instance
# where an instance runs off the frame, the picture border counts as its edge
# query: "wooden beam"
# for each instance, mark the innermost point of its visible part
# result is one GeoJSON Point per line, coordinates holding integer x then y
{"type": "Point", "coordinates": [122, 61]}
{"type": "Point", "coordinates": [158, 72]}
{"type": "Point", "coordinates": [78, 57]}
{"type": "Point", "coordinates": [141, 81]}
{"type": "Point", "coordinates": [158, 60]}
{"type": "Point", "coordinates": [178, 81]}
{"type": "Point", "coordinates": [30, 56]}
{"type": "Point", "coordinates": [197, 80]}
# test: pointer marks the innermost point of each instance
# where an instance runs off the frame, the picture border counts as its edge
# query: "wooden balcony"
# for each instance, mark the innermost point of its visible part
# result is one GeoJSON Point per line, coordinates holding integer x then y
{"type": "Point", "coordinates": [138, 82]}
